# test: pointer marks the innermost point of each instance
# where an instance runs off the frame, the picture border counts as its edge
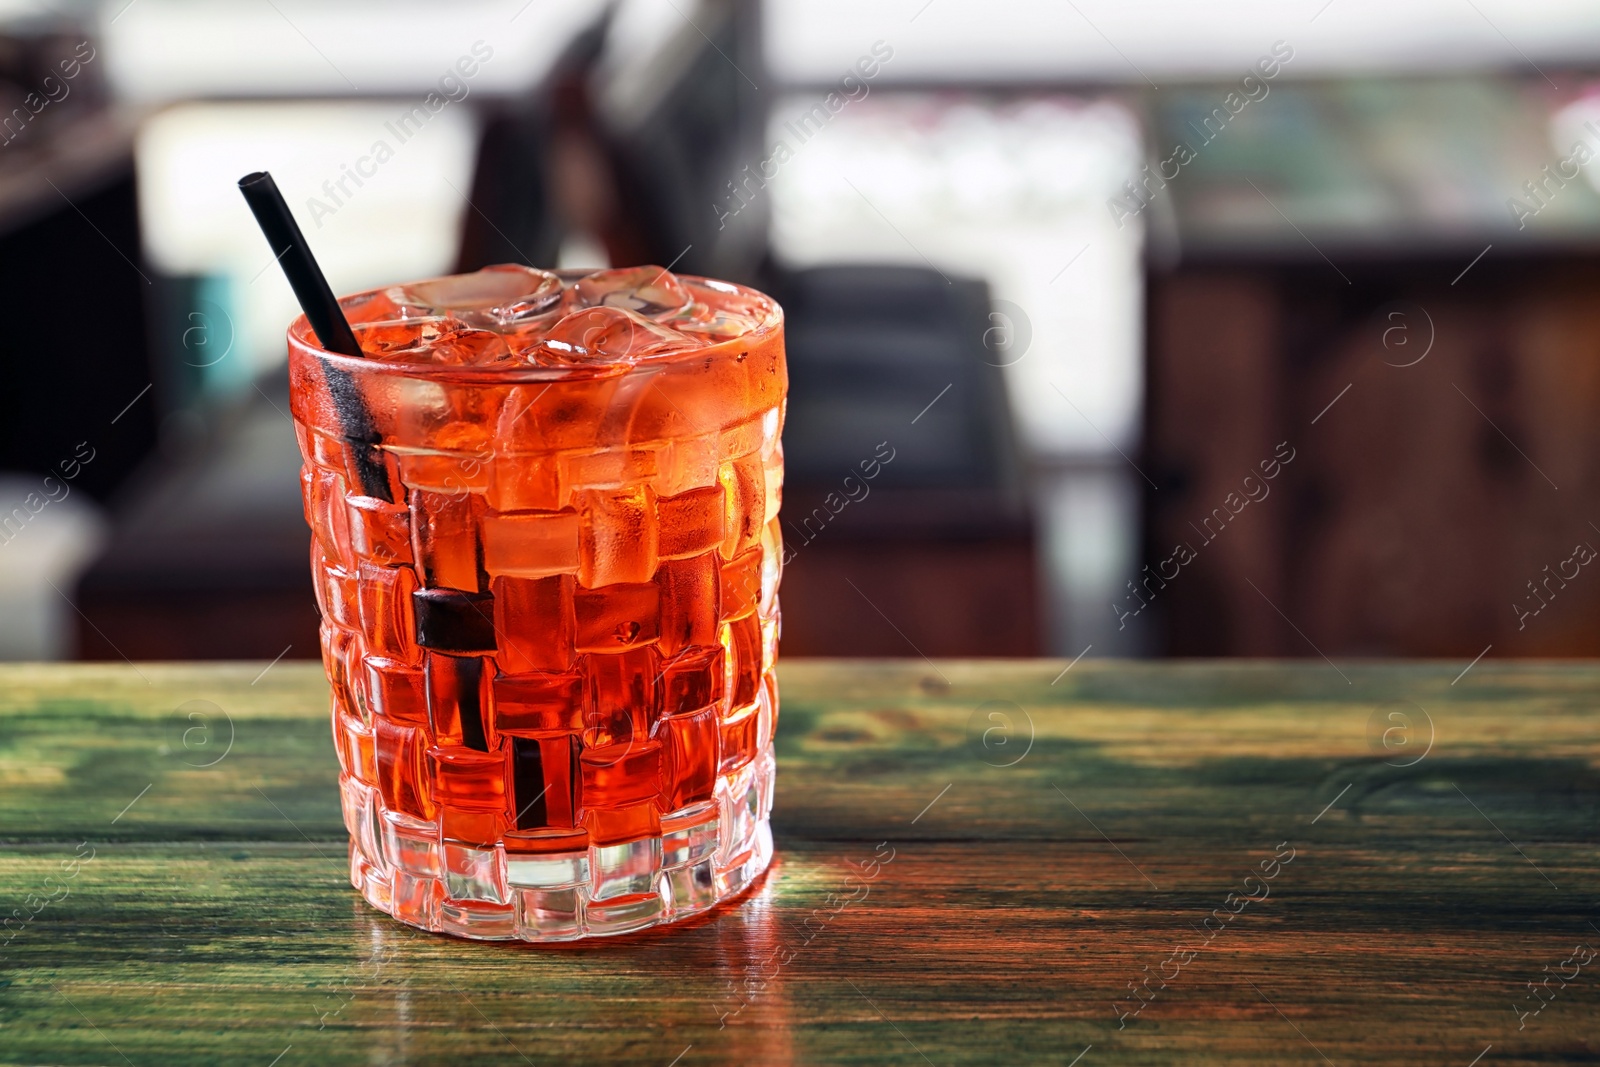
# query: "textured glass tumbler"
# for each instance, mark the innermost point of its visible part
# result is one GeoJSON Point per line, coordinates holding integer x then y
{"type": "Point", "coordinates": [549, 618]}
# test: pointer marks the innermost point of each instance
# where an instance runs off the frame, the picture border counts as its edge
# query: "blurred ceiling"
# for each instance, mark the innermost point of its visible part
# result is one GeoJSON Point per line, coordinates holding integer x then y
{"type": "Point", "coordinates": [1145, 42]}
{"type": "Point", "coordinates": [161, 50]}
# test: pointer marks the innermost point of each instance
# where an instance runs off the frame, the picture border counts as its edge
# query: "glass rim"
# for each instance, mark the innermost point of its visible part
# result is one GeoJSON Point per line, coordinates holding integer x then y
{"type": "Point", "coordinates": [300, 337]}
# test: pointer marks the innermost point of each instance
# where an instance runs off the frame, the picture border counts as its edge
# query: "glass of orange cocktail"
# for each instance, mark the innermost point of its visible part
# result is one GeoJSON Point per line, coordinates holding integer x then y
{"type": "Point", "coordinates": [546, 552]}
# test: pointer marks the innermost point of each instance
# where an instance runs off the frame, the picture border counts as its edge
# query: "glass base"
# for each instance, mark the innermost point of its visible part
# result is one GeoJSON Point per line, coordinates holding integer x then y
{"type": "Point", "coordinates": [706, 853]}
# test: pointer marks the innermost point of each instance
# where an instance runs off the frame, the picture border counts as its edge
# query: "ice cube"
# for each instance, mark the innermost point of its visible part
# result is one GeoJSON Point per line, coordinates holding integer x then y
{"type": "Point", "coordinates": [377, 305]}
{"type": "Point", "coordinates": [494, 298]}
{"type": "Point", "coordinates": [649, 291]}
{"type": "Point", "coordinates": [715, 326]}
{"type": "Point", "coordinates": [606, 335]}
{"type": "Point", "coordinates": [718, 311]}
{"type": "Point", "coordinates": [433, 340]}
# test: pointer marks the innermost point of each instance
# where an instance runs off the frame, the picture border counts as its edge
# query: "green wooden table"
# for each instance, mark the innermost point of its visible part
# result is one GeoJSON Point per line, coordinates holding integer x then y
{"type": "Point", "coordinates": [1196, 863]}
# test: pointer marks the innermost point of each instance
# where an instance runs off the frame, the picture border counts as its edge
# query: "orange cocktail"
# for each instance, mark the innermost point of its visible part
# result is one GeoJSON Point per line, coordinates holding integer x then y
{"type": "Point", "coordinates": [547, 556]}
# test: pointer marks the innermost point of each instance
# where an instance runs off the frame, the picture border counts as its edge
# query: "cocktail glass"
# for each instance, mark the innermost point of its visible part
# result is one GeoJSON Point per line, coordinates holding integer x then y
{"type": "Point", "coordinates": [546, 553]}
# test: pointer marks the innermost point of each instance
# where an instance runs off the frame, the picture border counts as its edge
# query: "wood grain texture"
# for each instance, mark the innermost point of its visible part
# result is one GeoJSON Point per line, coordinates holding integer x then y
{"type": "Point", "coordinates": [1422, 503]}
{"type": "Point", "coordinates": [1051, 840]}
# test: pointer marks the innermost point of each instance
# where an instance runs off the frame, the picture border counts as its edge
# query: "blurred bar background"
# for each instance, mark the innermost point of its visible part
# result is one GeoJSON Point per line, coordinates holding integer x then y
{"type": "Point", "coordinates": [1139, 329]}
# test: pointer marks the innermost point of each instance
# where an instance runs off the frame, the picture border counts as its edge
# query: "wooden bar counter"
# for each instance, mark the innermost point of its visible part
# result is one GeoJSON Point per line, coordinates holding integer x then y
{"type": "Point", "coordinates": [977, 862]}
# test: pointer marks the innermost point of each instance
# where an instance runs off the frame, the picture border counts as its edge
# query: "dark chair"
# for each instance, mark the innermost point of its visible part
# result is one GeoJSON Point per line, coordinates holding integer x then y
{"type": "Point", "coordinates": [893, 351]}
{"type": "Point", "coordinates": [903, 513]}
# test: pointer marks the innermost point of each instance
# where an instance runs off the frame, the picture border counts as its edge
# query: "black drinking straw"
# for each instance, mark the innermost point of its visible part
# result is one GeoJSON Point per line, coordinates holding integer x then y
{"type": "Point", "coordinates": [327, 322]}
{"type": "Point", "coordinates": [299, 265]}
